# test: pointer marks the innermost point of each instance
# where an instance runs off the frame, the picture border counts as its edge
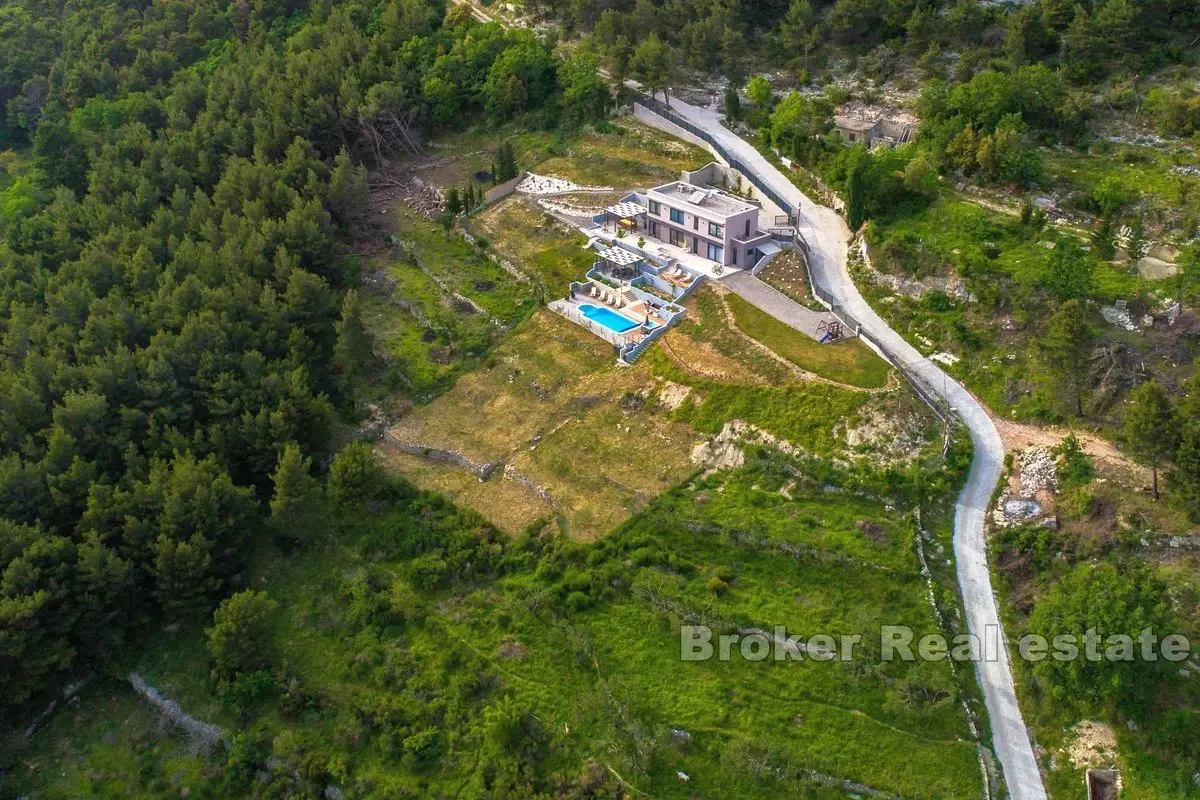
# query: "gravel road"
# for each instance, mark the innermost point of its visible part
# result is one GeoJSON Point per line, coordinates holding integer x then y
{"type": "Point", "coordinates": [827, 235]}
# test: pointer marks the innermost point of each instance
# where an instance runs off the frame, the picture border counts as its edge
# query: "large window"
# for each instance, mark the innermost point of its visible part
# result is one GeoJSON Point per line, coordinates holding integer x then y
{"type": "Point", "coordinates": [716, 230]}
{"type": "Point", "coordinates": [716, 253]}
{"type": "Point", "coordinates": [677, 238]}
{"type": "Point", "coordinates": [654, 208]}
{"type": "Point", "coordinates": [677, 215]}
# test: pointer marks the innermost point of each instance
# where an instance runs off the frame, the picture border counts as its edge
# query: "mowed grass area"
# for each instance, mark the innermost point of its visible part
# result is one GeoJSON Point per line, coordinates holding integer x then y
{"type": "Point", "coordinates": [848, 361]}
{"type": "Point", "coordinates": [392, 681]}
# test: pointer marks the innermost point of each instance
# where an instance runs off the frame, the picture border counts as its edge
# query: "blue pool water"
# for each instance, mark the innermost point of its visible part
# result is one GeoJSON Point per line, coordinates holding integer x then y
{"type": "Point", "coordinates": [608, 318]}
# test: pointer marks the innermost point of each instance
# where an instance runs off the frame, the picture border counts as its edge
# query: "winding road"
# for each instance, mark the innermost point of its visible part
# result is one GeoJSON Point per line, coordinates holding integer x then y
{"type": "Point", "coordinates": [828, 236]}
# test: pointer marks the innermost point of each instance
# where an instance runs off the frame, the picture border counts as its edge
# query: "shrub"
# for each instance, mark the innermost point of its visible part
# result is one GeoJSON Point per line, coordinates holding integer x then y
{"type": "Point", "coordinates": [249, 688]}
{"type": "Point", "coordinates": [353, 475]}
{"type": "Point", "coordinates": [240, 637]}
{"type": "Point", "coordinates": [578, 601]}
{"type": "Point", "coordinates": [1074, 465]}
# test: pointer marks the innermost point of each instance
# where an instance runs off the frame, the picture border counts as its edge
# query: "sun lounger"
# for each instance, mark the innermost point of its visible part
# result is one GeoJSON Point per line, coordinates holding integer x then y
{"type": "Point", "coordinates": [595, 291]}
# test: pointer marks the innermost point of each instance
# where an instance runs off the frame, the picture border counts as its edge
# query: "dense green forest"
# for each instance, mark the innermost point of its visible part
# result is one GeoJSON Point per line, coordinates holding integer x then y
{"type": "Point", "coordinates": [182, 352]}
{"type": "Point", "coordinates": [173, 275]}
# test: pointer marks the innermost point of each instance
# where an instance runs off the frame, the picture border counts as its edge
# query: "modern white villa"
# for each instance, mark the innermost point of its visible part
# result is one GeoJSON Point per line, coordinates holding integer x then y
{"type": "Point", "coordinates": [708, 222]}
{"type": "Point", "coordinates": [654, 247]}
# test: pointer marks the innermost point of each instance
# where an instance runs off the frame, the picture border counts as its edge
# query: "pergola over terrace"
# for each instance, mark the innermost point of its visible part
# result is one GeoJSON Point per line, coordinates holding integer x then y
{"type": "Point", "coordinates": [624, 212]}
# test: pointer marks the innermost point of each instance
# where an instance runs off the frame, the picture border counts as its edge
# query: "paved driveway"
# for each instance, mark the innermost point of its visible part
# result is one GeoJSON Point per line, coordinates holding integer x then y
{"type": "Point", "coordinates": [777, 304]}
{"type": "Point", "coordinates": [827, 235]}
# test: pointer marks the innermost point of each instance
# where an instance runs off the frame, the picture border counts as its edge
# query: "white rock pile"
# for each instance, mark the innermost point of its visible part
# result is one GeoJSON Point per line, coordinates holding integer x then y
{"type": "Point", "coordinates": [1038, 470]}
{"type": "Point", "coordinates": [542, 185]}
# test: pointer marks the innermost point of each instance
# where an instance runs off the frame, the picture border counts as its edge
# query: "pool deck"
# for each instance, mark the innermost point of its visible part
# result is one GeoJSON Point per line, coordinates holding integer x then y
{"type": "Point", "coordinates": [570, 308]}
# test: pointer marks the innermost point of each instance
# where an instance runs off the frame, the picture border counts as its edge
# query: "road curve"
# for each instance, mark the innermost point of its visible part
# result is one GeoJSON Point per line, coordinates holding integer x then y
{"type": "Point", "coordinates": [828, 236]}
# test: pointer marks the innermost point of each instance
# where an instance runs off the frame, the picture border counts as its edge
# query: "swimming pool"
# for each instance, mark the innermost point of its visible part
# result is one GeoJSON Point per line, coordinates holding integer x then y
{"type": "Point", "coordinates": [608, 318]}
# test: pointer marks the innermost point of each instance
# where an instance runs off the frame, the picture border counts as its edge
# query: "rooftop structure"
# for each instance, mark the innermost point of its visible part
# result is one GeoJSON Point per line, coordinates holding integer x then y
{"type": "Point", "coordinates": [709, 224]}
{"type": "Point", "coordinates": [712, 203]}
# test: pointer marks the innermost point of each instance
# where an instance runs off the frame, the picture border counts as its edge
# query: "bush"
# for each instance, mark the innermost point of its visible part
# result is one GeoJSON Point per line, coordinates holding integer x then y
{"type": "Point", "coordinates": [353, 475]}
{"type": "Point", "coordinates": [578, 601]}
{"type": "Point", "coordinates": [937, 302]}
{"type": "Point", "coordinates": [1074, 465]}
{"type": "Point", "coordinates": [1076, 502]}
{"type": "Point", "coordinates": [240, 638]}
{"type": "Point", "coordinates": [248, 688]}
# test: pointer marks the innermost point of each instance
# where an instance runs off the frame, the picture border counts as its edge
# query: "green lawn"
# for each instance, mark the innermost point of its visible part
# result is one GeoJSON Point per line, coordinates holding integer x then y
{"type": "Point", "coordinates": [848, 361]}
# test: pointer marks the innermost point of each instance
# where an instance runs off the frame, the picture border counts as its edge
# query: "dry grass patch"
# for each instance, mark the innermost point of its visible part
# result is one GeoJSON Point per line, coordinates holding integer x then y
{"type": "Point", "coordinates": [552, 403]}
{"type": "Point", "coordinates": [606, 464]}
{"type": "Point", "coordinates": [635, 156]}
{"type": "Point", "coordinates": [549, 251]}
{"type": "Point", "coordinates": [508, 505]}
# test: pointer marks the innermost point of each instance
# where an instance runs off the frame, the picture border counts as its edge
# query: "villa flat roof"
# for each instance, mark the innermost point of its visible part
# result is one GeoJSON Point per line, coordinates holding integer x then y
{"type": "Point", "coordinates": [714, 201]}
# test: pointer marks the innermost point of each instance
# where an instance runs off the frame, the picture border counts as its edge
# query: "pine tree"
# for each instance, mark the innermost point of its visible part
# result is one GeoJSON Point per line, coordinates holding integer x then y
{"type": "Point", "coordinates": [1066, 349]}
{"type": "Point", "coordinates": [453, 202]}
{"type": "Point", "coordinates": [733, 104]}
{"type": "Point", "coordinates": [352, 350]}
{"type": "Point", "coordinates": [507, 162]}
{"type": "Point", "coordinates": [1104, 238]}
{"type": "Point", "coordinates": [295, 487]}
{"type": "Point", "coordinates": [1069, 271]}
{"type": "Point", "coordinates": [347, 196]}
{"type": "Point", "coordinates": [183, 577]}
{"type": "Point", "coordinates": [1184, 478]}
{"type": "Point", "coordinates": [103, 581]}
{"type": "Point", "coordinates": [856, 188]}
{"type": "Point", "coordinates": [353, 475]}
{"type": "Point", "coordinates": [1150, 429]}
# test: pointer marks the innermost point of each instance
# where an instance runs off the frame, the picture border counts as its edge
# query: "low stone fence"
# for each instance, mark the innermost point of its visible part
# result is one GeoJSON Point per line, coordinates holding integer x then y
{"type": "Point", "coordinates": [502, 190]}
{"type": "Point", "coordinates": [481, 471]}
